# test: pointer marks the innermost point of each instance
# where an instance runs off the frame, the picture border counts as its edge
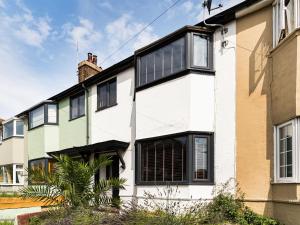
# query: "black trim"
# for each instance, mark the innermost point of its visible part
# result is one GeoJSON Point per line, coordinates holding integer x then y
{"type": "Point", "coordinates": [45, 105]}
{"type": "Point", "coordinates": [107, 83]}
{"type": "Point", "coordinates": [77, 95]}
{"type": "Point", "coordinates": [175, 76]}
{"type": "Point", "coordinates": [106, 107]}
{"type": "Point", "coordinates": [190, 135]}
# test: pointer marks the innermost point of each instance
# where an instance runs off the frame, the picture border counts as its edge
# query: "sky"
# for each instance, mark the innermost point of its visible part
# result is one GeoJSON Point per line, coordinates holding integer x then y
{"type": "Point", "coordinates": [41, 42]}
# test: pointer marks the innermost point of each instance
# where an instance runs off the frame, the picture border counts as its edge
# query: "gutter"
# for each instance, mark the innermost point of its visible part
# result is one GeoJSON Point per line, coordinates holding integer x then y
{"type": "Point", "coordinates": [87, 113]}
{"type": "Point", "coordinates": [253, 8]}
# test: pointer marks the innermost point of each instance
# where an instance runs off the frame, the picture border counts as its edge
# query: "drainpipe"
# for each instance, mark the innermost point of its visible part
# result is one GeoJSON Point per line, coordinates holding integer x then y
{"type": "Point", "coordinates": [87, 113]}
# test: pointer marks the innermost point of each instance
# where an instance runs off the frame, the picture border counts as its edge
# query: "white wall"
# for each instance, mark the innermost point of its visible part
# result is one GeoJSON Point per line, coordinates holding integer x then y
{"type": "Point", "coordinates": [182, 104]}
{"type": "Point", "coordinates": [114, 123]}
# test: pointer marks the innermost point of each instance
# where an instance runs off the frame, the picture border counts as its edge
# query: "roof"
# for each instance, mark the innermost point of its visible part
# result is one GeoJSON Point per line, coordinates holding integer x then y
{"type": "Point", "coordinates": [228, 14]}
{"type": "Point", "coordinates": [100, 147]}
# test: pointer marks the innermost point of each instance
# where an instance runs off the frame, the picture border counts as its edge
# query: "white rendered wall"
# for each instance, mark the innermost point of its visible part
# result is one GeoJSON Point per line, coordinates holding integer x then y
{"type": "Point", "coordinates": [117, 123]}
{"type": "Point", "coordinates": [196, 103]}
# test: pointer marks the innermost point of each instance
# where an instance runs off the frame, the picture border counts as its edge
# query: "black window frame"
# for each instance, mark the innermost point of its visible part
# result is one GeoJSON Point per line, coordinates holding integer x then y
{"type": "Point", "coordinates": [45, 169]}
{"type": "Point", "coordinates": [108, 94]}
{"type": "Point", "coordinates": [45, 106]}
{"type": "Point", "coordinates": [190, 157]}
{"type": "Point", "coordinates": [189, 57]}
{"type": "Point", "coordinates": [77, 96]}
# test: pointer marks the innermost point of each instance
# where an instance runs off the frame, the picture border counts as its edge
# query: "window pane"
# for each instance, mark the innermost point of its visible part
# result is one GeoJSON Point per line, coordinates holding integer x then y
{"type": "Point", "coordinates": [151, 162]}
{"type": "Point", "coordinates": [81, 106]}
{"type": "Point", "coordinates": [103, 96]}
{"type": "Point", "coordinates": [159, 161]}
{"type": "Point", "coordinates": [167, 60]}
{"type": "Point", "coordinates": [52, 113]}
{"type": "Point", "coordinates": [200, 57]}
{"type": "Point", "coordinates": [168, 161]}
{"type": "Point", "coordinates": [143, 70]}
{"type": "Point", "coordinates": [112, 93]}
{"type": "Point", "coordinates": [150, 68]}
{"type": "Point", "coordinates": [144, 167]}
{"type": "Point", "coordinates": [158, 64]}
{"type": "Point", "coordinates": [74, 108]}
{"type": "Point", "coordinates": [19, 176]}
{"type": "Point", "coordinates": [286, 151]}
{"type": "Point", "coordinates": [19, 127]}
{"type": "Point", "coordinates": [1, 174]}
{"type": "Point", "coordinates": [8, 174]}
{"type": "Point", "coordinates": [36, 117]}
{"type": "Point", "coordinates": [178, 55]}
{"type": "Point", "coordinates": [200, 161]}
{"type": "Point", "coordinates": [178, 174]}
{"type": "Point", "coordinates": [8, 129]}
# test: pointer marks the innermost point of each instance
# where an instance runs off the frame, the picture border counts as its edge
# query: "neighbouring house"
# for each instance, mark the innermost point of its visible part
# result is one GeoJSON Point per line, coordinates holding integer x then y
{"type": "Point", "coordinates": [194, 109]}
{"type": "Point", "coordinates": [11, 154]}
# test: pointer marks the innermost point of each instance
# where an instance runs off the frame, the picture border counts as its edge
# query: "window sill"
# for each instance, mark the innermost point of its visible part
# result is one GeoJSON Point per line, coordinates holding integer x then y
{"type": "Point", "coordinates": [76, 117]}
{"type": "Point", "coordinates": [202, 183]}
{"type": "Point", "coordinates": [284, 182]}
{"type": "Point", "coordinates": [9, 185]}
{"type": "Point", "coordinates": [106, 107]}
{"type": "Point", "coordinates": [42, 125]}
{"type": "Point", "coordinates": [15, 136]}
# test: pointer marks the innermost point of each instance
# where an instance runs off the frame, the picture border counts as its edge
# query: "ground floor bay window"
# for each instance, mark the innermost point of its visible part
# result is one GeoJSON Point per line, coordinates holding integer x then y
{"type": "Point", "coordinates": [11, 174]}
{"type": "Point", "coordinates": [286, 160]}
{"type": "Point", "coordinates": [175, 159]}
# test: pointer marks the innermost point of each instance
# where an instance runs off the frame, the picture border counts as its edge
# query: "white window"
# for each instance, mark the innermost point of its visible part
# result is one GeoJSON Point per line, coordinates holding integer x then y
{"type": "Point", "coordinates": [11, 174]}
{"type": "Point", "coordinates": [286, 152]}
{"type": "Point", "coordinates": [285, 18]}
{"type": "Point", "coordinates": [12, 128]}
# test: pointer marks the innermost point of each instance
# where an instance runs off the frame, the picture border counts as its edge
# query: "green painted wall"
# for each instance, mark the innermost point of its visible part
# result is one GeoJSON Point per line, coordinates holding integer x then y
{"type": "Point", "coordinates": [42, 140]}
{"type": "Point", "coordinates": [71, 132]}
{"type": "Point", "coordinates": [36, 143]}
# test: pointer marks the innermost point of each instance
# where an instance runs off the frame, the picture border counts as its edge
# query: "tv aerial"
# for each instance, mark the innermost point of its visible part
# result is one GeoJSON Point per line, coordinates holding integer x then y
{"type": "Point", "coordinates": [207, 4]}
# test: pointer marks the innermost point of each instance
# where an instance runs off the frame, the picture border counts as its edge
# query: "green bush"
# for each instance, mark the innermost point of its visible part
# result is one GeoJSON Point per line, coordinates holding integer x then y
{"type": "Point", "coordinates": [6, 223]}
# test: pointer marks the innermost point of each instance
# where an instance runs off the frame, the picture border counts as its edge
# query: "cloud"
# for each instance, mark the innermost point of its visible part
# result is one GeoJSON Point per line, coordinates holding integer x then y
{"type": "Point", "coordinates": [2, 3]}
{"type": "Point", "coordinates": [124, 28]}
{"type": "Point", "coordinates": [84, 34]}
{"type": "Point", "coordinates": [188, 6]}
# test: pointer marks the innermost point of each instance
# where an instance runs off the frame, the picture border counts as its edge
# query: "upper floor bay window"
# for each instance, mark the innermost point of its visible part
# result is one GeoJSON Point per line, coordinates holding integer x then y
{"type": "Point", "coordinates": [44, 114]}
{"type": "Point", "coordinates": [175, 159]}
{"type": "Point", "coordinates": [77, 106]}
{"type": "Point", "coordinates": [107, 94]}
{"type": "Point", "coordinates": [13, 128]}
{"type": "Point", "coordinates": [286, 18]}
{"type": "Point", "coordinates": [189, 50]}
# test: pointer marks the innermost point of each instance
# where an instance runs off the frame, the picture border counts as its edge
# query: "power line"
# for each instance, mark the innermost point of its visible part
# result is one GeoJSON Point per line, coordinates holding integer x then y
{"type": "Point", "coordinates": [138, 33]}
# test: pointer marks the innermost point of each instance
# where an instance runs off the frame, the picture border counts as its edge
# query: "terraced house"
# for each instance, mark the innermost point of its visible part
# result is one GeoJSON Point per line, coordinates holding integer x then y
{"type": "Point", "coordinates": [202, 105]}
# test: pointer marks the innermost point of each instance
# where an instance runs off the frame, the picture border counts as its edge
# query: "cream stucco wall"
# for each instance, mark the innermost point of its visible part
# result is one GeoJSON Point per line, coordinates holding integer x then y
{"type": "Point", "coordinates": [12, 151]}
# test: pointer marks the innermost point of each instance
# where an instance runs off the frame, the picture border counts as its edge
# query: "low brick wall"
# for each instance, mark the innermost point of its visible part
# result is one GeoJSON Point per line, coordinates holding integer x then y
{"type": "Point", "coordinates": [24, 219]}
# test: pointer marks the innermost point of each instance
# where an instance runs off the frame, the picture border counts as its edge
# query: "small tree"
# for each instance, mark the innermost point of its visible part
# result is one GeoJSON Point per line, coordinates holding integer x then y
{"type": "Point", "coordinates": [70, 184]}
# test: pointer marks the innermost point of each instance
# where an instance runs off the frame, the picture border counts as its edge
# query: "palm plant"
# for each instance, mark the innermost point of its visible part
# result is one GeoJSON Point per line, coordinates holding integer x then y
{"type": "Point", "coordinates": [70, 184]}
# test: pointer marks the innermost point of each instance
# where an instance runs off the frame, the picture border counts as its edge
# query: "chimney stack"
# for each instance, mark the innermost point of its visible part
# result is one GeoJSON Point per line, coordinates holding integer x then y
{"type": "Point", "coordinates": [88, 68]}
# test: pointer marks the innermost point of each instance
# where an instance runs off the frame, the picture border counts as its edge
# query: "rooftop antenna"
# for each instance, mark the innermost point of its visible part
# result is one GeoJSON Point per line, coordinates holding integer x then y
{"type": "Point", "coordinates": [207, 4]}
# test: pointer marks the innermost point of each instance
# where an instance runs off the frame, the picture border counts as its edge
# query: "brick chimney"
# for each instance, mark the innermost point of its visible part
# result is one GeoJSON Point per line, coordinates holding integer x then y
{"type": "Point", "coordinates": [88, 68]}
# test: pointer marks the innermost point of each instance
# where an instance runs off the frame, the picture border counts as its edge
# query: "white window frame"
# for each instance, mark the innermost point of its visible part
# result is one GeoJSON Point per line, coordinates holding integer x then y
{"type": "Point", "coordinates": [295, 144]}
{"type": "Point", "coordinates": [278, 18]}
{"type": "Point", "coordinates": [14, 183]}
{"type": "Point", "coordinates": [14, 121]}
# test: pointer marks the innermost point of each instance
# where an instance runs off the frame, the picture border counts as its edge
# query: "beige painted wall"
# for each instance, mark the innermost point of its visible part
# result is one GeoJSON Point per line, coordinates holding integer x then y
{"type": "Point", "coordinates": [286, 79]}
{"type": "Point", "coordinates": [254, 127]}
{"type": "Point", "coordinates": [12, 151]}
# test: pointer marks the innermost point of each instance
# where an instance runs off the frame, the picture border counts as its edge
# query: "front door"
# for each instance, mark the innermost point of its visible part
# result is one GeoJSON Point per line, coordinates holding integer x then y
{"type": "Point", "coordinates": [112, 171]}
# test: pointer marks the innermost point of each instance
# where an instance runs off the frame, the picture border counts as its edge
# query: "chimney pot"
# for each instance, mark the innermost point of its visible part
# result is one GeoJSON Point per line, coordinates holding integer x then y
{"type": "Point", "coordinates": [90, 57]}
{"type": "Point", "coordinates": [94, 59]}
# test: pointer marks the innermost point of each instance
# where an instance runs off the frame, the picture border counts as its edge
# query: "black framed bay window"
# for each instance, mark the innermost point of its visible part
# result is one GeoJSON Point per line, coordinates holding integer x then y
{"type": "Point", "coordinates": [176, 159]}
{"type": "Point", "coordinates": [77, 106]}
{"type": "Point", "coordinates": [188, 50]}
{"type": "Point", "coordinates": [107, 94]}
{"type": "Point", "coordinates": [44, 114]}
